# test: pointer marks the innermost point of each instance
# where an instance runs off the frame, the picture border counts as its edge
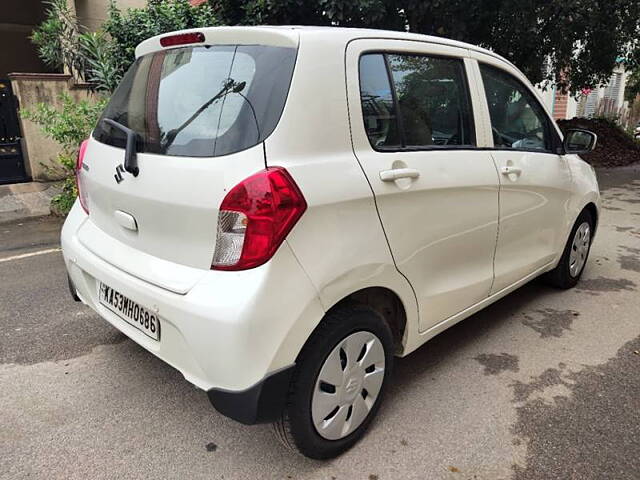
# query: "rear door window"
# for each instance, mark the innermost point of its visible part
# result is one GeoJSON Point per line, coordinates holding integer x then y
{"type": "Point", "coordinates": [415, 101]}
{"type": "Point", "coordinates": [378, 103]}
{"type": "Point", "coordinates": [202, 101]}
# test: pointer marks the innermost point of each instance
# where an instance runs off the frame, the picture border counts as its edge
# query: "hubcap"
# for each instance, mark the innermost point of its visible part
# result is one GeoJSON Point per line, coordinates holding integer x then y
{"type": "Point", "coordinates": [348, 385]}
{"type": "Point", "coordinates": [579, 249]}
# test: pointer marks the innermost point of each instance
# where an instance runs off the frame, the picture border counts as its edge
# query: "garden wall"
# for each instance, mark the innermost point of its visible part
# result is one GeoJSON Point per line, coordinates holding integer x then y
{"type": "Point", "coordinates": [30, 89]}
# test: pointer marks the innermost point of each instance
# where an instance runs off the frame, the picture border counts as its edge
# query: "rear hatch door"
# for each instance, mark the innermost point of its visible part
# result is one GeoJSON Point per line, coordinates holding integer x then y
{"type": "Point", "coordinates": [200, 114]}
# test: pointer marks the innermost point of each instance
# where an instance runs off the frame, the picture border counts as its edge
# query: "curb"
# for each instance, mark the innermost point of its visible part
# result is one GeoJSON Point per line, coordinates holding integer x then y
{"type": "Point", "coordinates": [26, 200]}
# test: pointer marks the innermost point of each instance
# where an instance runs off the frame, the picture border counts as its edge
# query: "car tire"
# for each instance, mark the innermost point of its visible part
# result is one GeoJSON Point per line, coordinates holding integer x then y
{"type": "Point", "coordinates": [567, 272]}
{"type": "Point", "coordinates": [317, 383]}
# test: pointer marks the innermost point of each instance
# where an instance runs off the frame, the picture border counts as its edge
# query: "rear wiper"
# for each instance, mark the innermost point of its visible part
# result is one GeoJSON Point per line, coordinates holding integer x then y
{"type": "Point", "coordinates": [229, 85]}
{"type": "Point", "coordinates": [131, 152]}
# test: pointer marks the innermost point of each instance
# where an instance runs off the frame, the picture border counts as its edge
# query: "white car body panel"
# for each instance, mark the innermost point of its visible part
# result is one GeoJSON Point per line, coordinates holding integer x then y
{"type": "Point", "coordinates": [338, 194]}
{"type": "Point", "coordinates": [175, 202]}
{"type": "Point", "coordinates": [534, 204]}
{"type": "Point", "coordinates": [533, 212]}
{"type": "Point", "coordinates": [429, 221]}
{"type": "Point", "coordinates": [228, 330]}
{"type": "Point", "coordinates": [175, 277]}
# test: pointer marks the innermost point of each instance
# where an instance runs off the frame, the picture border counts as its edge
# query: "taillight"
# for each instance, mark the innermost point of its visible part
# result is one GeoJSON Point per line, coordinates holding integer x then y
{"type": "Point", "coordinates": [182, 39]}
{"type": "Point", "coordinates": [82, 191]}
{"type": "Point", "coordinates": [255, 218]}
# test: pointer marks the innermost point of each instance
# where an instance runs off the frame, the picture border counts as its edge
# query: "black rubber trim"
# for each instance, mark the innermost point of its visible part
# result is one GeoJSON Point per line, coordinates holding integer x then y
{"type": "Point", "coordinates": [260, 403]}
{"type": "Point", "coordinates": [72, 289]}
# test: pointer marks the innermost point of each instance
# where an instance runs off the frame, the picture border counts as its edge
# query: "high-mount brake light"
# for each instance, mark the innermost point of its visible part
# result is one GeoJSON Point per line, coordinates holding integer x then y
{"type": "Point", "coordinates": [82, 190]}
{"type": "Point", "coordinates": [182, 39]}
{"type": "Point", "coordinates": [254, 219]}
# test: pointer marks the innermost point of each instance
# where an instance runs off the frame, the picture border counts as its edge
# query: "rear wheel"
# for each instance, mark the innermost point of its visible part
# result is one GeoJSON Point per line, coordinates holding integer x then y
{"type": "Point", "coordinates": [575, 255]}
{"type": "Point", "coordinates": [338, 384]}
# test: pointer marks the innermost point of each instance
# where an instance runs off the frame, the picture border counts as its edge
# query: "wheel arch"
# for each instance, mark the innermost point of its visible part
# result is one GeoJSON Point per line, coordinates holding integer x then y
{"type": "Point", "coordinates": [591, 204]}
{"type": "Point", "coordinates": [400, 314]}
{"type": "Point", "coordinates": [593, 210]}
{"type": "Point", "coordinates": [387, 304]}
{"type": "Point", "coordinates": [585, 200]}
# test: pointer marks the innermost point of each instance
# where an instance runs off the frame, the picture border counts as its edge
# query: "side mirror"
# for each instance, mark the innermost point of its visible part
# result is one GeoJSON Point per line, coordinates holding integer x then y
{"type": "Point", "coordinates": [577, 141]}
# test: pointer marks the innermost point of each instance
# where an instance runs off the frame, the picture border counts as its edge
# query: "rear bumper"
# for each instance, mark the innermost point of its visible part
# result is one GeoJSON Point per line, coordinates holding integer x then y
{"type": "Point", "coordinates": [234, 334]}
{"type": "Point", "coordinates": [72, 290]}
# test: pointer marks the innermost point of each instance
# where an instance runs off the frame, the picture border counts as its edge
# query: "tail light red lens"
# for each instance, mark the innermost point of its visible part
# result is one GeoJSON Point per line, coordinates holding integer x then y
{"type": "Point", "coordinates": [255, 217]}
{"type": "Point", "coordinates": [82, 191]}
{"type": "Point", "coordinates": [182, 39]}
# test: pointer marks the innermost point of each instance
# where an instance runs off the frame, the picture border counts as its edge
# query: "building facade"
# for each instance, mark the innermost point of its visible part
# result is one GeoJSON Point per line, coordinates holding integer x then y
{"type": "Point", "coordinates": [35, 82]}
{"type": "Point", "coordinates": [607, 100]}
{"type": "Point", "coordinates": [18, 22]}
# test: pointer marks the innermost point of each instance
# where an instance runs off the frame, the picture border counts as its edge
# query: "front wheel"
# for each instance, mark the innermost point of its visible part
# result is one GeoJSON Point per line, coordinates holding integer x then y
{"type": "Point", "coordinates": [338, 384]}
{"type": "Point", "coordinates": [575, 255]}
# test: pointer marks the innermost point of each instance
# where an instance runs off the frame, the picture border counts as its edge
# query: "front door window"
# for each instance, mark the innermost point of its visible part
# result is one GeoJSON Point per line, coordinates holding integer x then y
{"type": "Point", "coordinates": [517, 119]}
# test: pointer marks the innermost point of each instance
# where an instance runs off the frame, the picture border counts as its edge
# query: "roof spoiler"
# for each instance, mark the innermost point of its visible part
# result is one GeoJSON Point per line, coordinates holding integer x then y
{"type": "Point", "coordinates": [270, 36]}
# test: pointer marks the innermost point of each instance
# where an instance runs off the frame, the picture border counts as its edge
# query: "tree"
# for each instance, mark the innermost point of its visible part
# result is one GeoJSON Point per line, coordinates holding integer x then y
{"type": "Point", "coordinates": [632, 89]}
{"type": "Point", "coordinates": [127, 29]}
{"type": "Point", "coordinates": [101, 58]}
{"type": "Point", "coordinates": [68, 126]}
{"type": "Point", "coordinates": [575, 43]}
{"type": "Point", "coordinates": [57, 39]}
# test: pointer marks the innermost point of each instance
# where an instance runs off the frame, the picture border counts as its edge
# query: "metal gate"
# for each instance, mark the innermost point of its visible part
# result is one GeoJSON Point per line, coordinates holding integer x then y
{"type": "Point", "coordinates": [11, 161]}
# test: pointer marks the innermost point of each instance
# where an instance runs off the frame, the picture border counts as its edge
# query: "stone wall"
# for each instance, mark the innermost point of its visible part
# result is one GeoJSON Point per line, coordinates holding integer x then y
{"type": "Point", "coordinates": [31, 89]}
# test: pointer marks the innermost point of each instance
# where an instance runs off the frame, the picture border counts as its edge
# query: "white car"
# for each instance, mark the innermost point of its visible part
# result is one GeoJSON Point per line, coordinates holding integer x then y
{"type": "Point", "coordinates": [277, 212]}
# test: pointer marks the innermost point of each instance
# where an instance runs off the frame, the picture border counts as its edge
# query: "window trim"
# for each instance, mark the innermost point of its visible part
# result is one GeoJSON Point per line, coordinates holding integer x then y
{"type": "Point", "coordinates": [404, 148]}
{"type": "Point", "coordinates": [394, 99]}
{"type": "Point", "coordinates": [554, 140]}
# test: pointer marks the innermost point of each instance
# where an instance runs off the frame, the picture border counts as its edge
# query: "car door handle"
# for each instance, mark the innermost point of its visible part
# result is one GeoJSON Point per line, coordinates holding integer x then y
{"type": "Point", "coordinates": [509, 169]}
{"type": "Point", "coordinates": [397, 173]}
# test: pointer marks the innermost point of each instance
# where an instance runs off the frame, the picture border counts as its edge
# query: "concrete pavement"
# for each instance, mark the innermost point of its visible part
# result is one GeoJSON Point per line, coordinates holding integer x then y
{"type": "Point", "coordinates": [20, 201]}
{"type": "Point", "coordinates": [542, 385]}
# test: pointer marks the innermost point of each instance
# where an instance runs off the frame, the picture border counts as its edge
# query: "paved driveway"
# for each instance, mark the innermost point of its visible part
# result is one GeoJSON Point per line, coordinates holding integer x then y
{"type": "Point", "coordinates": [544, 384]}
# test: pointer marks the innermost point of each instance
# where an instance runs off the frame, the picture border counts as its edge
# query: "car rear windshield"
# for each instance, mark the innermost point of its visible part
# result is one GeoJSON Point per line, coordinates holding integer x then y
{"type": "Point", "coordinates": [202, 101]}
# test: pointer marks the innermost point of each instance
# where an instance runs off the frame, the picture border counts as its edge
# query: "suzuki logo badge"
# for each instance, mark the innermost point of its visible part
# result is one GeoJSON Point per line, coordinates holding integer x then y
{"type": "Point", "coordinates": [352, 385]}
{"type": "Point", "coordinates": [119, 171]}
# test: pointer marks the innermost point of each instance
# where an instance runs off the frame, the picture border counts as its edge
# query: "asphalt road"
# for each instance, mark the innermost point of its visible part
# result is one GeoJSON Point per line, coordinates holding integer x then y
{"type": "Point", "coordinates": [542, 385]}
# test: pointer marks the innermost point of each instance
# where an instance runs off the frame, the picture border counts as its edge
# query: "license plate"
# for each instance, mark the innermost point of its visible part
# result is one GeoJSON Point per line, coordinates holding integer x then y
{"type": "Point", "coordinates": [138, 316]}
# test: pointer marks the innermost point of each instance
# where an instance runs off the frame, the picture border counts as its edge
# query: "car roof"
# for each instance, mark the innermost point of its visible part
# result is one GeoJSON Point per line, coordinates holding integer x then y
{"type": "Point", "coordinates": [283, 35]}
{"type": "Point", "coordinates": [348, 34]}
